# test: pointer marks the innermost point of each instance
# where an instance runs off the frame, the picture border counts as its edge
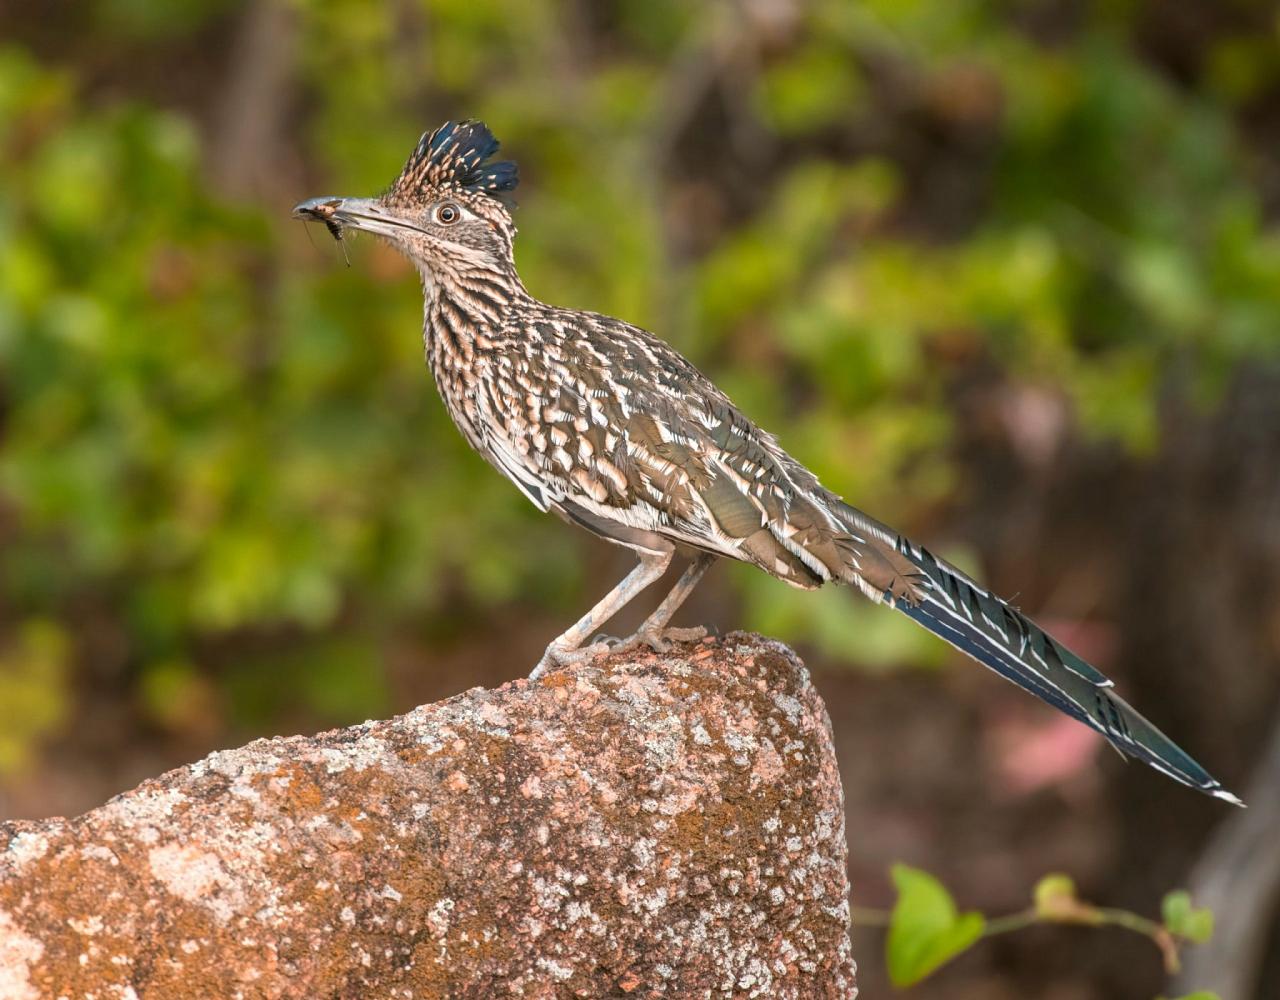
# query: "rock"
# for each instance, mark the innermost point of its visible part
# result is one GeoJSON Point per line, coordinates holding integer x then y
{"type": "Point", "coordinates": [646, 826]}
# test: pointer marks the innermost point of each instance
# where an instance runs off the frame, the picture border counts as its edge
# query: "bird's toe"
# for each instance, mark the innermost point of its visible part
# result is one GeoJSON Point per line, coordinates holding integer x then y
{"type": "Point", "coordinates": [693, 634]}
{"type": "Point", "coordinates": [557, 656]}
{"type": "Point", "coordinates": [655, 641]}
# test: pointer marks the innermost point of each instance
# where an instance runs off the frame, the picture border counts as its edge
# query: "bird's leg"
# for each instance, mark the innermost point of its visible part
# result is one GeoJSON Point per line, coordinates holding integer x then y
{"type": "Point", "coordinates": [653, 631]}
{"type": "Point", "coordinates": [568, 648]}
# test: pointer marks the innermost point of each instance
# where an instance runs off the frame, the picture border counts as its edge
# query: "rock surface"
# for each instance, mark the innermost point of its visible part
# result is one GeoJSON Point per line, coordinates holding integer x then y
{"type": "Point", "coordinates": [647, 826]}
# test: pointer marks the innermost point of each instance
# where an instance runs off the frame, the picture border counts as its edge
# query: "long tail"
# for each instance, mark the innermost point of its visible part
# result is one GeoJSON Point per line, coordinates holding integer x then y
{"type": "Point", "coordinates": [1000, 637]}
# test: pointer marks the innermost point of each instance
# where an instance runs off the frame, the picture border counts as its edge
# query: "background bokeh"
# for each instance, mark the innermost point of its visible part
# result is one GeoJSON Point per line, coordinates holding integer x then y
{"type": "Point", "coordinates": [1006, 273]}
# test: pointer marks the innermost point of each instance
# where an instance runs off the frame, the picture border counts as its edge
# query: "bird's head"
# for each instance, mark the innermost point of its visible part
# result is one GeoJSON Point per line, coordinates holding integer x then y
{"type": "Point", "coordinates": [444, 212]}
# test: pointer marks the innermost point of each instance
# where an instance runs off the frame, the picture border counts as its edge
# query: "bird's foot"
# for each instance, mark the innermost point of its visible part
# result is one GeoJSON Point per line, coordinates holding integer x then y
{"type": "Point", "coordinates": [659, 640]}
{"type": "Point", "coordinates": [558, 656]}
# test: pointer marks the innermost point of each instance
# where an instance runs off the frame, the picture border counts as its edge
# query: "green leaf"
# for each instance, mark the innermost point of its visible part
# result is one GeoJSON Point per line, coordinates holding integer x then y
{"type": "Point", "coordinates": [925, 930]}
{"type": "Point", "coordinates": [1056, 900]}
{"type": "Point", "coordinates": [1175, 908]}
{"type": "Point", "coordinates": [1198, 995]}
{"type": "Point", "coordinates": [1183, 919]}
{"type": "Point", "coordinates": [1199, 926]}
{"type": "Point", "coordinates": [1052, 892]}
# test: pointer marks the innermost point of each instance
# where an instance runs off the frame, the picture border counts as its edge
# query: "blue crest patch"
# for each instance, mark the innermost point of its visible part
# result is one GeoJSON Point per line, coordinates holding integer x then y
{"type": "Point", "coordinates": [456, 155]}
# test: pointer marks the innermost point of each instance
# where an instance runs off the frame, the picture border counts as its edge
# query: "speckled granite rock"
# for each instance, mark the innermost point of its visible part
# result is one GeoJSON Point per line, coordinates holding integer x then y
{"type": "Point", "coordinates": [648, 826]}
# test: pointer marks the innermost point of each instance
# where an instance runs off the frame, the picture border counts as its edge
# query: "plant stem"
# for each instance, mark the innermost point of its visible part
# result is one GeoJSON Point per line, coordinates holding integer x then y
{"type": "Point", "coordinates": [1012, 922]}
{"type": "Point", "coordinates": [1102, 915]}
{"type": "Point", "coordinates": [1157, 932]}
{"type": "Point", "coordinates": [867, 917]}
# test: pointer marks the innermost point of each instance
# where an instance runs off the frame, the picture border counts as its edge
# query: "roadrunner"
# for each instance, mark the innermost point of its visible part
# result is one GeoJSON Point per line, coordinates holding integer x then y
{"type": "Point", "coordinates": [604, 424]}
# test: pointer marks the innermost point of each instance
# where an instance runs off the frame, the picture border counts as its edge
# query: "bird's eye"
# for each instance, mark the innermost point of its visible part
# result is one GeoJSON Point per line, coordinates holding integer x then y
{"type": "Point", "coordinates": [448, 213]}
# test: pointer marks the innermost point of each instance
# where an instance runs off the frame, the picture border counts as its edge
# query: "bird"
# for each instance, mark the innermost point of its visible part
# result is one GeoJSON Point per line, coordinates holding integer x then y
{"type": "Point", "coordinates": [607, 426]}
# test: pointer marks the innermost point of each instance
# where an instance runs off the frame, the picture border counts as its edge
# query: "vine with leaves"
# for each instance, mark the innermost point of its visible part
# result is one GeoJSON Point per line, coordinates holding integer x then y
{"type": "Point", "coordinates": [926, 929]}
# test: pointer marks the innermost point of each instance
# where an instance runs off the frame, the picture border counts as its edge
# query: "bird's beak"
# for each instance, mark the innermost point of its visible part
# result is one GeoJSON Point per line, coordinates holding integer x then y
{"type": "Point", "coordinates": [368, 214]}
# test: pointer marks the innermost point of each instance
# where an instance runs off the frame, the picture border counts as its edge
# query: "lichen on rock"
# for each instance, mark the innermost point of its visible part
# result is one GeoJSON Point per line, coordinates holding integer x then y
{"type": "Point", "coordinates": [648, 825]}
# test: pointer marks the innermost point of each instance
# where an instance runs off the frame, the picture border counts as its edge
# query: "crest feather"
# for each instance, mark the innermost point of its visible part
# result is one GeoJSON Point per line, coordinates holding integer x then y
{"type": "Point", "coordinates": [456, 155]}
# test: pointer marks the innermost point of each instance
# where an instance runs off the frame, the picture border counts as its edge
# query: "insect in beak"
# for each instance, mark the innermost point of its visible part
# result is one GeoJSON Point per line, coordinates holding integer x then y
{"type": "Point", "coordinates": [335, 230]}
{"type": "Point", "coordinates": [323, 210]}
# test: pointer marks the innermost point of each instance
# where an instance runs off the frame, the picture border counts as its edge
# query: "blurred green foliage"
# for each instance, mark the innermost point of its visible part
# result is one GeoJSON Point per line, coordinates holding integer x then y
{"type": "Point", "coordinates": [210, 432]}
{"type": "Point", "coordinates": [33, 691]}
{"type": "Point", "coordinates": [926, 930]}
